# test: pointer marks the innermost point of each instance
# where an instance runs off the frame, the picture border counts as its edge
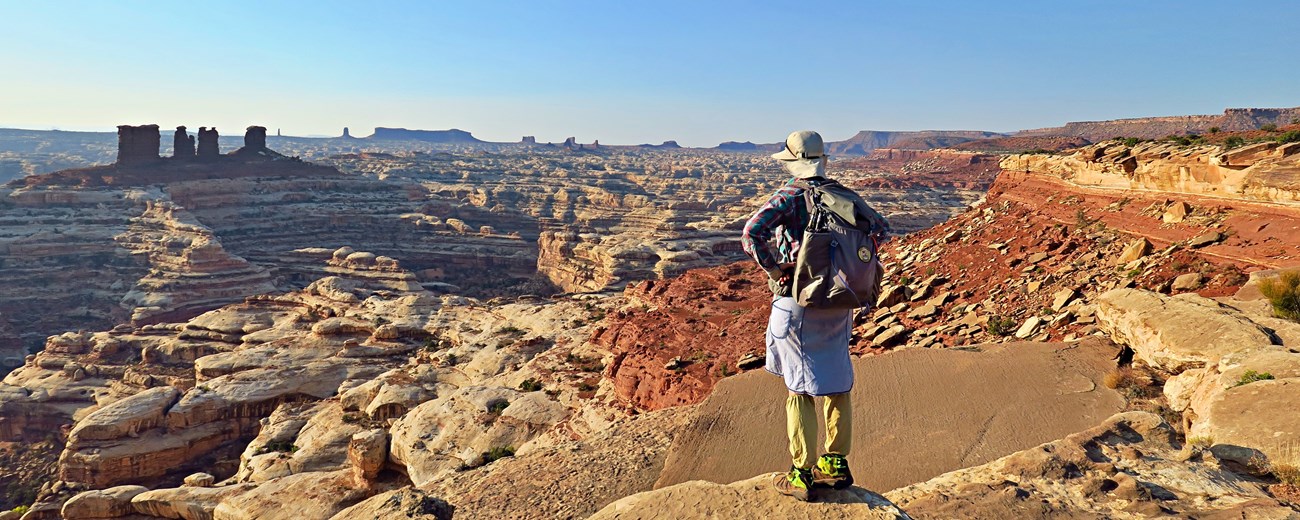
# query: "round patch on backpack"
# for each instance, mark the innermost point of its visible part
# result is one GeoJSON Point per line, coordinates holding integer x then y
{"type": "Point", "coordinates": [864, 254]}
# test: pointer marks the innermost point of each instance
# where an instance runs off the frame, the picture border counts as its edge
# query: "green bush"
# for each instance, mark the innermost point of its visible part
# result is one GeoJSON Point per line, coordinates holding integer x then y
{"type": "Point", "coordinates": [1214, 129]}
{"type": "Point", "coordinates": [277, 446]}
{"type": "Point", "coordinates": [1252, 376]}
{"type": "Point", "coordinates": [1292, 136]}
{"type": "Point", "coordinates": [1269, 127]}
{"type": "Point", "coordinates": [498, 453]}
{"type": "Point", "coordinates": [21, 509]}
{"type": "Point", "coordinates": [530, 385]}
{"type": "Point", "coordinates": [1131, 142]}
{"type": "Point", "coordinates": [1233, 142]}
{"type": "Point", "coordinates": [1283, 293]}
{"type": "Point", "coordinates": [497, 406]}
{"type": "Point", "coordinates": [1000, 326]}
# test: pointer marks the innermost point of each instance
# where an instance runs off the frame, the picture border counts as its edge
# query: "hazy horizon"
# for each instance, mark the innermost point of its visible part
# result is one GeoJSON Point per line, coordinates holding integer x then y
{"type": "Point", "coordinates": [631, 74]}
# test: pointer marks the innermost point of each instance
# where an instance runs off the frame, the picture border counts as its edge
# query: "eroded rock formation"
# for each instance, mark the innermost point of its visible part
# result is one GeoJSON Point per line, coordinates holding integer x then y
{"type": "Point", "coordinates": [255, 138]}
{"type": "Point", "coordinates": [183, 144]}
{"type": "Point", "coordinates": [137, 144]}
{"type": "Point", "coordinates": [209, 148]}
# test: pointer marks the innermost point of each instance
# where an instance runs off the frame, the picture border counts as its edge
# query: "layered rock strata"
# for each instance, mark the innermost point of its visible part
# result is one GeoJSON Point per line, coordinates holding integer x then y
{"type": "Point", "coordinates": [1266, 172]}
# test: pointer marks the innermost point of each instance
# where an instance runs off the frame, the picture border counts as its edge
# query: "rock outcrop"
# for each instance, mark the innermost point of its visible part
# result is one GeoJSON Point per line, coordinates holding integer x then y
{"type": "Point", "coordinates": [1130, 466]}
{"type": "Point", "coordinates": [1240, 416]}
{"type": "Point", "coordinates": [985, 408]}
{"type": "Point", "coordinates": [751, 498]}
{"type": "Point", "coordinates": [1266, 172]}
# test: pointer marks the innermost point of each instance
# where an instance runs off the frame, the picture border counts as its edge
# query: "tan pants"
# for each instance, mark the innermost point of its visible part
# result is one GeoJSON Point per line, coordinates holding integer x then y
{"type": "Point", "coordinates": [801, 424]}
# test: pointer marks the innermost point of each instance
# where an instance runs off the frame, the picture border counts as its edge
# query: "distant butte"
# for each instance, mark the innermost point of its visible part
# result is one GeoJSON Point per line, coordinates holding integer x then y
{"type": "Point", "coordinates": [138, 162]}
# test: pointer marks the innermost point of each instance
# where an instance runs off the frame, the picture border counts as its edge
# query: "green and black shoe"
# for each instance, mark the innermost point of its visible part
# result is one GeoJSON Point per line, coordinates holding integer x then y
{"type": "Point", "coordinates": [832, 470]}
{"type": "Point", "coordinates": [797, 483]}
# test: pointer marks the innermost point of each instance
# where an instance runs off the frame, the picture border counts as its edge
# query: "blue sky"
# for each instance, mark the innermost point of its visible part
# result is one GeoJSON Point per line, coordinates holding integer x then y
{"type": "Point", "coordinates": [633, 72]}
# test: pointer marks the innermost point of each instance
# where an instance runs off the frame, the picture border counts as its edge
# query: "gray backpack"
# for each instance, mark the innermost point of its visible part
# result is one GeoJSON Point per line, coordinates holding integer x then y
{"type": "Point", "coordinates": [837, 266]}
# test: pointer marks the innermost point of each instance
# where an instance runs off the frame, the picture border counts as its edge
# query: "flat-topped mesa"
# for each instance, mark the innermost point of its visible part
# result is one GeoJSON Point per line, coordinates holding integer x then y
{"type": "Point", "coordinates": [183, 144]}
{"type": "Point", "coordinates": [137, 144]}
{"type": "Point", "coordinates": [209, 148]}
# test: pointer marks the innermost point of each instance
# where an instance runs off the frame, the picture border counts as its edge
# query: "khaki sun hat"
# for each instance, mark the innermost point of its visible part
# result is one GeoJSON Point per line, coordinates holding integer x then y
{"type": "Point", "coordinates": [804, 154]}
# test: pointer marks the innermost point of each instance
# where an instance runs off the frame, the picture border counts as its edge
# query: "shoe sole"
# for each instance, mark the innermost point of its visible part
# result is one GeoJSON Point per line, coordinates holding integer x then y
{"type": "Point", "coordinates": [834, 483]}
{"type": "Point", "coordinates": [798, 494]}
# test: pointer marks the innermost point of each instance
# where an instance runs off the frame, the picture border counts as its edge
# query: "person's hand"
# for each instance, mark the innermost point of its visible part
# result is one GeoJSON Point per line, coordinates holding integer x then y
{"type": "Point", "coordinates": [787, 272]}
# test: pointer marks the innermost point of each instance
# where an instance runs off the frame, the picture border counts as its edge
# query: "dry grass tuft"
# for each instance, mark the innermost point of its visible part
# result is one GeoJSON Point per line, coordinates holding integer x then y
{"type": "Point", "coordinates": [1283, 293]}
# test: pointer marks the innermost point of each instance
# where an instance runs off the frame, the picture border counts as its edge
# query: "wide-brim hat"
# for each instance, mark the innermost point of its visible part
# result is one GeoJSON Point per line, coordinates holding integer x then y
{"type": "Point", "coordinates": [804, 154]}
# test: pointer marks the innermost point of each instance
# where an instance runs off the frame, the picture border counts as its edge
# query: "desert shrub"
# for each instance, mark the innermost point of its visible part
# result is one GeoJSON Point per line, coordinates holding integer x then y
{"type": "Point", "coordinates": [1252, 376]}
{"type": "Point", "coordinates": [497, 406]}
{"type": "Point", "coordinates": [498, 453]}
{"type": "Point", "coordinates": [1268, 127]}
{"type": "Point", "coordinates": [1201, 442]}
{"type": "Point", "coordinates": [511, 330]}
{"type": "Point", "coordinates": [1131, 142]}
{"type": "Point", "coordinates": [277, 447]}
{"type": "Point", "coordinates": [1129, 382]}
{"type": "Point", "coordinates": [1000, 325]}
{"type": "Point", "coordinates": [1214, 129]}
{"type": "Point", "coordinates": [1283, 294]}
{"type": "Point", "coordinates": [530, 385]}
{"type": "Point", "coordinates": [1291, 136]}
{"type": "Point", "coordinates": [1233, 142]}
{"type": "Point", "coordinates": [21, 509]}
{"type": "Point", "coordinates": [1115, 378]}
{"type": "Point", "coordinates": [584, 364]}
{"type": "Point", "coordinates": [1288, 474]}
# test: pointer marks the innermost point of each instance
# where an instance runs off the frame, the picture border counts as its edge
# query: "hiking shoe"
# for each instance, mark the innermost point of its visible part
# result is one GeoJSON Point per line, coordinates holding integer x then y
{"type": "Point", "coordinates": [797, 483]}
{"type": "Point", "coordinates": [832, 470]}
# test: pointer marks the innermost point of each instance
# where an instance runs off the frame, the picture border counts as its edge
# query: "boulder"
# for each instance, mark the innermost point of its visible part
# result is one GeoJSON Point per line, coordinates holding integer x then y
{"type": "Point", "coordinates": [1176, 212]}
{"type": "Point", "coordinates": [200, 480]}
{"type": "Point", "coordinates": [923, 311]}
{"type": "Point", "coordinates": [457, 429]}
{"type": "Point", "coordinates": [295, 497]}
{"type": "Point", "coordinates": [367, 453]}
{"type": "Point", "coordinates": [186, 503]}
{"type": "Point", "coordinates": [1136, 249]}
{"type": "Point", "coordinates": [751, 498]}
{"type": "Point", "coordinates": [1062, 298]}
{"type": "Point", "coordinates": [127, 417]}
{"type": "Point", "coordinates": [1029, 327]}
{"type": "Point", "coordinates": [1170, 332]}
{"type": "Point", "coordinates": [1206, 239]}
{"type": "Point", "coordinates": [1187, 282]}
{"type": "Point", "coordinates": [101, 503]}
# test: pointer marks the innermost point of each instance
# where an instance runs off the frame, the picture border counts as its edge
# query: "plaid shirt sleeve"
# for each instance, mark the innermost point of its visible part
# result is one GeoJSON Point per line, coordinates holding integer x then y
{"type": "Point", "coordinates": [780, 211]}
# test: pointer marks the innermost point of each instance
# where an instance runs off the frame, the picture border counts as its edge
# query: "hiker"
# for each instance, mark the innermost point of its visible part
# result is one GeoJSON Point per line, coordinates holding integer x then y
{"type": "Point", "coordinates": [808, 347]}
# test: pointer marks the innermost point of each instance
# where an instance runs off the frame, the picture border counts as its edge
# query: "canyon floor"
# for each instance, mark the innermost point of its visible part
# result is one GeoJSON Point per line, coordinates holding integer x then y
{"type": "Point", "coordinates": [570, 335]}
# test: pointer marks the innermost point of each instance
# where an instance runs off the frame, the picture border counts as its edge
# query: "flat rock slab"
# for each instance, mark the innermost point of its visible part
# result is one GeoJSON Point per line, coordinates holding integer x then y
{"type": "Point", "coordinates": [918, 413]}
{"type": "Point", "coordinates": [752, 498]}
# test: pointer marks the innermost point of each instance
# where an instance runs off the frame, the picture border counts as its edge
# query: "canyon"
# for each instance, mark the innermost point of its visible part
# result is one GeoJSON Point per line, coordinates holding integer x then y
{"type": "Point", "coordinates": [420, 334]}
{"type": "Point", "coordinates": [166, 238]}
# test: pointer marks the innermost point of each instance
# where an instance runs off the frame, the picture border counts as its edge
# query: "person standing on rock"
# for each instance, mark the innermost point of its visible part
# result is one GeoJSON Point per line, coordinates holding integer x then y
{"type": "Point", "coordinates": [807, 347]}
